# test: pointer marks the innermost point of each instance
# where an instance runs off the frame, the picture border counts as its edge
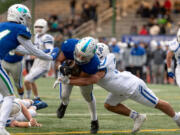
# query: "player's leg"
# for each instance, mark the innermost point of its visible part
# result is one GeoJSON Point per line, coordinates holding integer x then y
{"type": "Point", "coordinates": [65, 92]}
{"type": "Point", "coordinates": [113, 104]}
{"type": "Point", "coordinates": [87, 94]}
{"type": "Point", "coordinates": [146, 97]}
{"type": "Point", "coordinates": [6, 89]}
{"type": "Point", "coordinates": [17, 76]}
{"type": "Point", "coordinates": [31, 77]}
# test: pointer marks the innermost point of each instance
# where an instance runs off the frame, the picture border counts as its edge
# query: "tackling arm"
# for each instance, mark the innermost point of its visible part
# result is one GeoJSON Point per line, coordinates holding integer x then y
{"type": "Point", "coordinates": [83, 81]}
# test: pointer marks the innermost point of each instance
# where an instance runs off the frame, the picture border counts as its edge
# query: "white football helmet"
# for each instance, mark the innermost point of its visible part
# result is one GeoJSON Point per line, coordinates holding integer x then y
{"type": "Point", "coordinates": [40, 26]}
{"type": "Point", "coordinates": [19, 13]}
{"type": "Point", "coordinates": [102, 50]}
{"type": "Point", "coordinates": [178, 36]}
{"type": "Point", "coordinates": [85, 50]}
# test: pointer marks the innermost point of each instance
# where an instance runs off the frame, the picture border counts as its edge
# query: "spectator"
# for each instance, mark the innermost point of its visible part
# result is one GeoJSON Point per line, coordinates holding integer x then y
{"type": "Point", "coordinates": [143, 30]}
{"type": "Point", "coordinates": [93, 11]}
{"type": "Point", "coordinates": [73, 7]}
{"type": "Point", "coordinates": [177, 6]}
{"type": "Point", "coordinates": [155, 9]}
{"type": "Point", "coordinates": [127, 51]}
{"type": "Point", "coordinates": [154, 30]}
{"type": "Point", "coordinates": [114, 48]}
{"type": "Point", "coordinates": [167, 5]}
{"type": "Point", "coordinates": [158, 65]}
{"type": "Point", "coordinates": [134, 30]}
{"type": "Point", "coordinates": [137, 60]}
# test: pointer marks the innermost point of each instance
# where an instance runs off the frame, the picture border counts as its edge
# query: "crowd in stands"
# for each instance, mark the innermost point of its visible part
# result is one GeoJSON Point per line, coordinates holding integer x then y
{"type": "Point", "coordinates": [146, 60]}
{"type": "Point", "coordinates": [158, 18]}
{"type": "Point", "coordinates": [65, 26]}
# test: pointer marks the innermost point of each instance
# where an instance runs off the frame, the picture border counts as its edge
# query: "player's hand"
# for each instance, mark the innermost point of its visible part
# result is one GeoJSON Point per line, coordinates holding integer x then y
{"type": "Point", "coordinates": [56, 83]}
{"type": "Point", "coordinates": [64, 79]}
{"type": "Point", "coordinates": [65, 70]}
{"type": "Point", "coordinates": [46, 50]}
{"type": "Point", "coordinates": [55, 53]}
{"type": "Point", "coordinates": [170, 73]}
{"type": "Point", "coordinates": [33, 122]}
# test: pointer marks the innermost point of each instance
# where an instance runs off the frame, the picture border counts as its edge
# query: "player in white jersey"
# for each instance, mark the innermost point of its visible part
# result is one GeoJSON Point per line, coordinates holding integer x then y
{"type": "Point", "coordinates": [122, 86]}
{"type": "Point", "coordinates": [174, 49]}
{"type": "Point", "coordinates": [22, 114]}
{"type": "Point", "coordinates": [40, 67]}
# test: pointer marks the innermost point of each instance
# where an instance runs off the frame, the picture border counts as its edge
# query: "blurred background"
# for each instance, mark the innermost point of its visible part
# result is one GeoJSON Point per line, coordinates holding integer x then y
{"type": "Point", "coordinates": [124, 25]}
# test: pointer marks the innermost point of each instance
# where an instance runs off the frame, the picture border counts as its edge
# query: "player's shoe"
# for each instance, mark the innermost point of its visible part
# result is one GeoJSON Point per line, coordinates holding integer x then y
{"type": "Point", "coordinates": [94, 127]}
{"type": "Point", "coordinates": [3, 131]}
{"type": "Point", "coordinates": [61, 110]}
{"type": "Point", "coordinates": [40, 104]}
{"type": "Point", "coordinates": [178, 120]}
{"type": "Point", "coordinates": [138, 122]}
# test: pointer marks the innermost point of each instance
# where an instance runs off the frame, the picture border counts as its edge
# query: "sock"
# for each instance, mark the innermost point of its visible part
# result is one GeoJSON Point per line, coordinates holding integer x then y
{"type": "Point", "coordinates": [28, 94]}
{"type": "Point", "coordinates": [92, 109]}
{"type": "Point", "coordinates": [5, 110]}
{"type": "Point", "coordinates": [21, 95]}
{"type": "Point", "coordinates": [176, 117]}
{"type": "Point", "coordinates": [133, 114]}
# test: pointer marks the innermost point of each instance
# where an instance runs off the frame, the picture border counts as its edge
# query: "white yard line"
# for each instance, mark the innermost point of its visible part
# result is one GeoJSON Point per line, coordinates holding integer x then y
{"type": "Point", "coordinates": [87, 114]}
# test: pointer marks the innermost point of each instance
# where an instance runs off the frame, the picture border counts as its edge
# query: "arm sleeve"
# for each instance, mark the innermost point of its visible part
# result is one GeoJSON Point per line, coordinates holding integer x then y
{"type": "Point", "coordinates": [27, 44]}
{"type": "Point", "coordinates": [22, 50]}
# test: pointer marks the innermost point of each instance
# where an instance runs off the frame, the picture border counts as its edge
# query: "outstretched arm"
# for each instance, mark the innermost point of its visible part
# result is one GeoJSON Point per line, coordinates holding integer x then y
{"type": "Point", "coordinates": [27, 44]}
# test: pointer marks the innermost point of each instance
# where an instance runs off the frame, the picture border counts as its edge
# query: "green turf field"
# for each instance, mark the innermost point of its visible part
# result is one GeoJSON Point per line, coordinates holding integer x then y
{"type": "Point", "coordinates": [77, 118]}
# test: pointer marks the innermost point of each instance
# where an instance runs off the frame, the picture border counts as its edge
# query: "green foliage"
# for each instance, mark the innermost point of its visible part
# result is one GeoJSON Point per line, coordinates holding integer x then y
{"type": "Point", "coordinates": [4, 4]}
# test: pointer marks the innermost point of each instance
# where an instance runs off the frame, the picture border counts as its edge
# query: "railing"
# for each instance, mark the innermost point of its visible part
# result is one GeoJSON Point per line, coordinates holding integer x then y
{"type": "Point", "coordinates": [102, 17]}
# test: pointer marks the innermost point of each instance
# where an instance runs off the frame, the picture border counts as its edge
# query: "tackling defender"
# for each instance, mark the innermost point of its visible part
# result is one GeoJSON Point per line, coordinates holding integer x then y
{"type": "Point", "coordinates": [122, 86]}
{"type": "Point", "coordinates": [40, 67]}
{"type": "Point", "coordinates": [12, 34]}
{"type": "Point", "coordinates": [83, 52]}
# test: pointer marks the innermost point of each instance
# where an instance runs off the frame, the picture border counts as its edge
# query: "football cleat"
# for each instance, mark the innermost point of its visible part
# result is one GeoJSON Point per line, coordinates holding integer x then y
{"type": "Point", "coordinates": [3, 131]}
{"type": "Point", "coordinates": [138, 122]}
{"type": "Point", "coordinates": [40, 104]}
{"type": "Point", "coordinates": [61, 110]}
{"type": "Point", "coordinates": [178, 120]}
{"type": "Point", "coordinates": [94, 127]}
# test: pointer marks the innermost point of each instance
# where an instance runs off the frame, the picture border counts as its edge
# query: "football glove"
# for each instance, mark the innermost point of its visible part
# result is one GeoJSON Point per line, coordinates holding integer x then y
{"type": "Point", "coordinates": [170, 73]}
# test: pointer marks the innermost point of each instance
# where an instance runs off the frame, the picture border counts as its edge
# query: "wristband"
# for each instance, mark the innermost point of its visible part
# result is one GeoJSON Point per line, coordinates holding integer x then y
{"type": "Point", "coordinates": [169, 70]}
{"type": "Point", "coordinates": [29, 124]}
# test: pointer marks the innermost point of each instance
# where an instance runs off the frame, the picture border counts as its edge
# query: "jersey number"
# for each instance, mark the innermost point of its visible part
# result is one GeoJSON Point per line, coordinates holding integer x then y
{"type": "Point", "coordinates": [4, 33]}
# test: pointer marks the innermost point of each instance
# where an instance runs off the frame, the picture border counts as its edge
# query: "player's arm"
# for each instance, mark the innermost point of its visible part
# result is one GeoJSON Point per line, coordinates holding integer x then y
{"type": "Point", "coordinates": [169, 59]}
{"type": "Point", "coordinates": [28, 45]}
{"type": "Point", "coordinates": [16, 123]}
{"type": "Point", "coordinates": [91, 79]}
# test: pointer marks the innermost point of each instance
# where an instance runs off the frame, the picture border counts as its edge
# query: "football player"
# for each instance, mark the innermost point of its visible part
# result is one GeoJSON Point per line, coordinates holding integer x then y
{"type": "Point", "coordinates": [83, 52]}
{"type": "Point", "coordinates": [122, 86]}
{"type": "Point", "coordinates": [12, 34]}
{"type": "Point", "coordinates": [174, 49]}
{"type": "Point", "coordinates": [40, 67]}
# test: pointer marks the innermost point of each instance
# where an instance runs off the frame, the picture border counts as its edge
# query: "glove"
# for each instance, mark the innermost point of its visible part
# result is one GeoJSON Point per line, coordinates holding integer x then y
{"type": "Point", "coordinates": [170, 73]}
{"type": "Point", "coordinates": [55, 53]}
{"type": "Point", "coordinates": [46, 50]}
{"type": "Point", "coordinates": [65, 79]}
{"type": "Point", "coordinates": [56, 83]}
{"type": "Point", "coordinates": [65, 70]}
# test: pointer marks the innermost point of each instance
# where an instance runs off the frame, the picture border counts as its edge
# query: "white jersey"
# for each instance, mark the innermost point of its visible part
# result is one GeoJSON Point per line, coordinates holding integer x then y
{"type": "Point", "coordinates": [114, 81]}
{"type": "Point", "coordinates": [175, 47]}
{"type": "Point", "coordinates": [43, 42]}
